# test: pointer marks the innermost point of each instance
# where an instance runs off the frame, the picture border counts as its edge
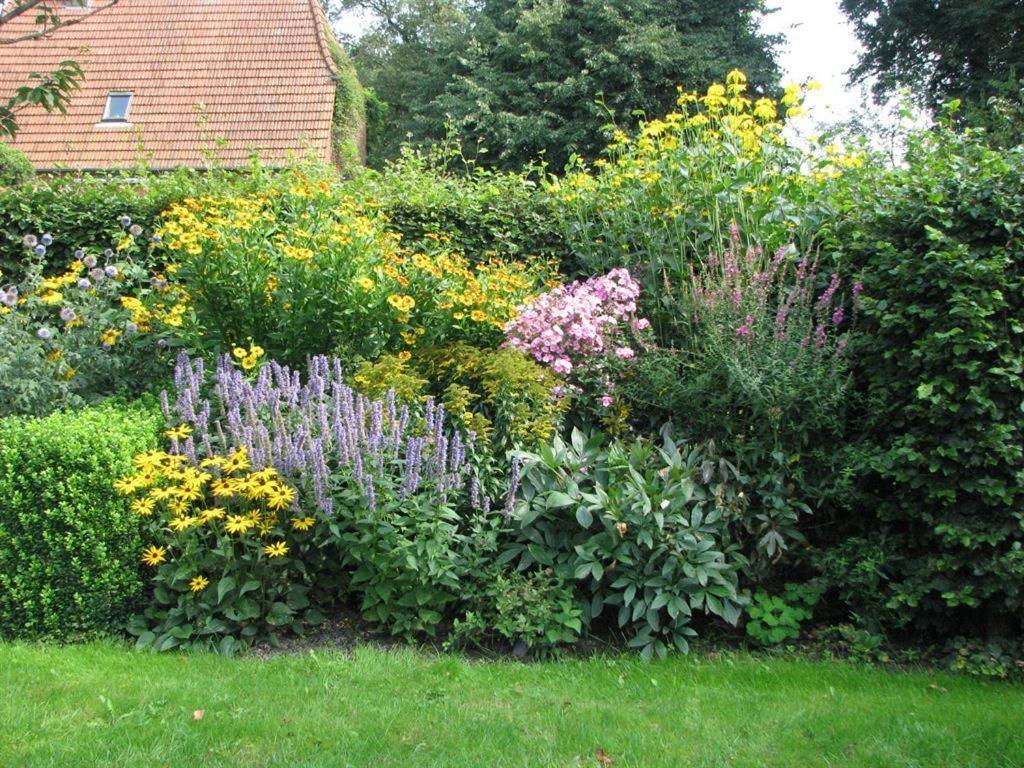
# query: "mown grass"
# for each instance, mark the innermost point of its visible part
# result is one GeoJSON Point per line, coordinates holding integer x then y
{"type": "Point", "coordinates": [101, 705]}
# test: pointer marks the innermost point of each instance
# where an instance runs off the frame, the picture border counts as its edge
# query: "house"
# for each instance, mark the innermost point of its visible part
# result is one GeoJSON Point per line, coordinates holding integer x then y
{"type": "Point", "coordinates": [185, 83]}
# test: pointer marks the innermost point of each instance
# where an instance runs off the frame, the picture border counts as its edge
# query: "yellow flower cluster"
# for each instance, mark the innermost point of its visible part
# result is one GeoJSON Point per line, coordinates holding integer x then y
{"type": "Point", "coordinates": [248, 358]}
{"type": "Point", "coordinates": [446, 281]}
{"type": "Point", "coordinates": [222, 493]}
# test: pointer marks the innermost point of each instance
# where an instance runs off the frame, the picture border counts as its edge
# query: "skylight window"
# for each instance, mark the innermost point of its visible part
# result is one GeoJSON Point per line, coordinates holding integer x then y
{"type": "Point", "coordinates": [118, 105]}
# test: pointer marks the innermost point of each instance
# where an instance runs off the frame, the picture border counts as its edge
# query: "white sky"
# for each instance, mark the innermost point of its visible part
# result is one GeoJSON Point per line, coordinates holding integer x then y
{"type": "Point", "coordinates": [820, 45]}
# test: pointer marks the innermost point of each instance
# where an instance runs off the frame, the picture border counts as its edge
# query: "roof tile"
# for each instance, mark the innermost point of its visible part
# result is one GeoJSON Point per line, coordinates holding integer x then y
{"type": "Point", "coordinates": [244, 75]}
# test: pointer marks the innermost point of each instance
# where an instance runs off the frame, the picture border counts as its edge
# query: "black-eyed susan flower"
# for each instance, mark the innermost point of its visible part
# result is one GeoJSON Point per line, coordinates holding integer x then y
{"type": "Point", "coordinates": [302, 523]}
{"type": "Point", "coordinates": [279, 497]}
{"type": "Point", "coordinates": [179, 432]}
{"type": "Point", "coordinates": [277, 549]}
{"type": "Point", "coordinates": [238, 524]}
{"type": "Point", "coordinates": [143, 506]}
{"type": "Point", "coordinates": [153, 556]}
{"type": "Point", "coordinates": [237, 461]}
{"type": "Point", "coordinates": [198, 583]}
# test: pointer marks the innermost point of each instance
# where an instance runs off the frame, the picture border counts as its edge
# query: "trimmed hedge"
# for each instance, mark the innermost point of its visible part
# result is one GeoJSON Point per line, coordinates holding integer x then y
{"type": "Point", "coordinates": [69, 545]}
{"type": "Point", "coordinates": [936, 540]}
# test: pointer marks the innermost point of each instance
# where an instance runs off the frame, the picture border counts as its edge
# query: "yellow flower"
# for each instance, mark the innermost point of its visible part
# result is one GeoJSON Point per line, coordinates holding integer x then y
{"type": "Point", "coordinates": [214, 513]}
{"type": "Point", "coordinates": [198, 583]}
{"type": "Point", "coordinates": [153, 556]}
{"type": "Point", "coordinates": [279, 497]}
{"type": "Point", "coordinates": [405, 355]}
{"type": "Point", "coordinates": [277, 549]}
{"type": "Point", "coordinates": [183, 523]}
{"type": "Point", "coordinates": [365, 283]}
{"type": "Point", "coordinates": [478, 316]}
{"type": "Point", "coordinates": [110, 336]}
{"type": "Point", "coordinates": [179, 432]}
{"type": "Point", "coordinates": [238, 524]}
{"type": "Point", "coordinates": [401, 302]}
{"type": "Point", "coordinates": [302, 523]}
{"type": "Point", "coordinates": [143, 507]}
{"type": "Point", "coordinates": [237, 461]}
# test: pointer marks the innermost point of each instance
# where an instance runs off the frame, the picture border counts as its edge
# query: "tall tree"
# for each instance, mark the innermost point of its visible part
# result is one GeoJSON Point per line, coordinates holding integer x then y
{"type": "Point", "coordinates": [939, 49]}
{"type": "Point", "coordinates": [531, 78]}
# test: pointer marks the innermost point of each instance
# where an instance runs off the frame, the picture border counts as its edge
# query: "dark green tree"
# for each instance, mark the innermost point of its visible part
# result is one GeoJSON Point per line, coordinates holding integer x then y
{"type": "Point", "coordinates": [541, 78]}
{"type": "Point", "coordinates": [939, 49]}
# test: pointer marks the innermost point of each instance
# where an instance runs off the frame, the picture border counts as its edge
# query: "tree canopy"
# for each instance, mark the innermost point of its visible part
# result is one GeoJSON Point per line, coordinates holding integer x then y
{"type": "Point", "coordinates": [939, 49]}
{"type": "Point", "coordinates": [540, 78]}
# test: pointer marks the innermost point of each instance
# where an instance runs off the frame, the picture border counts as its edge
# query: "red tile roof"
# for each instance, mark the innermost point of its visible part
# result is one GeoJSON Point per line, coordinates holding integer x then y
{"type": "Point", "coordinates": [222, 76]}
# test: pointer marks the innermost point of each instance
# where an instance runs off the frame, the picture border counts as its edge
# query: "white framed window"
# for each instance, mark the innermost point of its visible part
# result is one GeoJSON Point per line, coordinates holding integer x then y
{"type": "Point", "coordinates": [118, 107]}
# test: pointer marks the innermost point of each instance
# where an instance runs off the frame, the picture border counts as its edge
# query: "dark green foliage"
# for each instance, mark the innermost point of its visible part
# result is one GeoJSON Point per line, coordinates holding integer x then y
{"type": "Point", "coordinates": [774, 619]}
{"type": "Point", "coordinates": [937, 539]}
{"type": "Point", "coordinates": [651, 534]}
{"type": "Point", "coordinates": [349, 123]}
{"type": "Point", "coordinates": [484, 213]}
{"type": "Point", "coordinates": [15, 168]}
{"type": "Point", "coordinates": [69, 546]}
{"type": "Point", "coordinates": [530, 78]}
{"type": "Point", "coordinates": [940, 49]}
{"type": "Point", "coordinates": [529, 613]}
{"type": "Point", "coordinates": [78, 213]}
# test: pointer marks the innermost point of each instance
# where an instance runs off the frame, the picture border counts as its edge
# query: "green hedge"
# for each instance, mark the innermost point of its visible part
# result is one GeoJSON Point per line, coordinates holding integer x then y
{"type": "Point", "coordinates": [936, 539]}
{"type": "Point", "coordinates": [15, 168]}
{"type": "Point", "coordinates": [484, 213]}
{"type": "Point", "coordinates": [69, 546]}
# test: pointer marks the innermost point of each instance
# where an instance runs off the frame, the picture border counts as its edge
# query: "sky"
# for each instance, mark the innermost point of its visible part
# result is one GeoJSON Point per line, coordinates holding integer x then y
{"type": "Point", "coordinates": [820, 45]}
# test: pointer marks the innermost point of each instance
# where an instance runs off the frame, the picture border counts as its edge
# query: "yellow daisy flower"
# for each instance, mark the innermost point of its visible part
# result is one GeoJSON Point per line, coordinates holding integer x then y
{"type": "Point", "coordinates": [277, 549]}
{"type": "Point", "coordinates": [153, 556]}
{"type": "Point", "coordinates": [198, 583]}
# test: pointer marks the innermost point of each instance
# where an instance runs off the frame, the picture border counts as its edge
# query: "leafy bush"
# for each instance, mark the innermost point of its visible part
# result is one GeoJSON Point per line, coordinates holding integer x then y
{"type": "Point", "coordinates": [85, 333]}
{"type": "Point", "coordinates": [279, 497]}
{"type": "Point", "coordinates": [664, 198]}
{"type": "Point", "coordinates": [238, 570]}
{"type": "Point", "coordinates": [654, 532]}
{"type": "Point", "coordinates": [15, 168]}
{"type": "Point", "coordinates": [300, 272]}
{"type": "Point", "coordinates": [69, 546]}
{"type": "Point", "coordinates": [774, 619]}
{"type": "Point", "coordinates": [534, 612]}
{"type": "Point", "coordinates": [938, 538]}
{"type": "Point", "coordinates": [505, 398]}
{"type": "Point", "coordinates": [757, 364]}
{"type": "Point", "coordinates": [485, 214]}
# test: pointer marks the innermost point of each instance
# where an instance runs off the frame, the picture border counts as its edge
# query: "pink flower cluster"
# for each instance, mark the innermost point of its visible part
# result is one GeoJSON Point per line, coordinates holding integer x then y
{"type": "Point", "coordinates": [574, 323]}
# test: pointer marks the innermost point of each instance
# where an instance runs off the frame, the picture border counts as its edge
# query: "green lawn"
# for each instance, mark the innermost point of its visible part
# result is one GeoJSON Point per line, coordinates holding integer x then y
{"type": "Point", "coordinates": [100, 705]}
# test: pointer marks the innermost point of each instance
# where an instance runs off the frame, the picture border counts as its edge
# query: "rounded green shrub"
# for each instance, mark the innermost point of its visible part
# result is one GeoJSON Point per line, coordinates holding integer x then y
{"type": "Point", "coordinates": [69, 545]}
{"type": "Point", "coordinates": [15, 168]}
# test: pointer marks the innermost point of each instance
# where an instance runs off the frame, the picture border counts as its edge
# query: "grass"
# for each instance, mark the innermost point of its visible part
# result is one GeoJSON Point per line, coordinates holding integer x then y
{"type": "Point", "coordinates": [102, 705]}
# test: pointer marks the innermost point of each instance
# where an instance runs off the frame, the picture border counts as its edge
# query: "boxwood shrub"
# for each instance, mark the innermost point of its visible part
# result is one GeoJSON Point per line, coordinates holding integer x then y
{"type": "Point", "coordinates": [69, 545]}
